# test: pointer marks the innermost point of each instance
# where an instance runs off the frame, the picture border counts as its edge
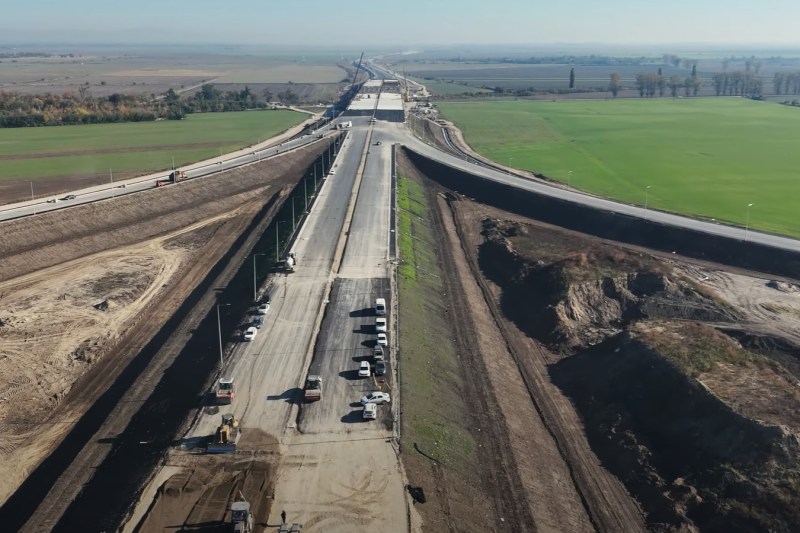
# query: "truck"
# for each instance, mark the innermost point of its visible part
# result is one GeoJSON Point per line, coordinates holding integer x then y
{"type": "Point", "coordinates": [177, 175]}
{"type": "Point", "coordinates": [226, 437]}
{"type": "Point", "coordinates": [345, 125]}
{"type": "Point", "coordinates": [226, 391]}
{"type": "Point", "coordinates": [241, 516]}
{"type": "Point", "coordinates": [313, 389]}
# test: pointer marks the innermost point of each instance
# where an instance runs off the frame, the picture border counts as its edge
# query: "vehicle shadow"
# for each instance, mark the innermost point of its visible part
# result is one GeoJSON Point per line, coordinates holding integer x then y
{"type": "Point", "coordinates": [362, 357]}
{"type": "Point", "coordinates": [354, 417]}
{"type": "Point", "coordinates": [369, 343]}
{"type": "Point", "coordinates": [367, 311]}
{"type": "Point", "coordinates": [292, 396]}
{"type": "Point", "coordinates": [366, 329]}
{"type": "Point", "coordinates": [351, 375]}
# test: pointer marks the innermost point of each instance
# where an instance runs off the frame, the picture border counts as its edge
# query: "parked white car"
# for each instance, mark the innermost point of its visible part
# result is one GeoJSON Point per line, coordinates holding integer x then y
{"type": "Point", "coordinates": [380, 325]}
{"type": "Point", "coordinates": [376, 397]}
{"type": "Point", "coordinates": [382, 339]}
{"type": "Point", "coordinates": [262, 309]}
{"type": "Point", "coordinates": [363, 369]}
{"type": "Point", "coordinates": [250, 333]}
{"type": "Point", "coordinates": [370, 411]}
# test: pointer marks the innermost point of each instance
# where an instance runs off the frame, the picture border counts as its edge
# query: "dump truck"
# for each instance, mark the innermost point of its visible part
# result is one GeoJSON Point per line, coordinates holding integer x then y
{"type": "Point", "coordinates": [345, 125]}
{"type": "Point", "coordinates": [313, 389]}
{"type": "Point", "coordinates": [226, 436]}
{"type": "Point", "coordinates": [177, 175]}
{"type": "Point", "coordinates": [241, 516]}
{"type": "Point", "coordinates": [226, 391]}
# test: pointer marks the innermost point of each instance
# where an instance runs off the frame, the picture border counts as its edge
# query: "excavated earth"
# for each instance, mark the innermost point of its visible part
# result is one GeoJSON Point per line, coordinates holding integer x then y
{"type": "Point", "coordinates": [85, 289]}
{"type": "Point", "coordinates": [685, 375]}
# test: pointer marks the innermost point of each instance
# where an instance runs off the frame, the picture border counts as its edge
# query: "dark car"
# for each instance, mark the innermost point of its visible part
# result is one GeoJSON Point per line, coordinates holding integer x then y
{"type": "Point", "coordinates": [258, 321]}
{"type": "Point", "coordinates": [69, 197]}
{"type": "Point", "coordinates": [380, 368]}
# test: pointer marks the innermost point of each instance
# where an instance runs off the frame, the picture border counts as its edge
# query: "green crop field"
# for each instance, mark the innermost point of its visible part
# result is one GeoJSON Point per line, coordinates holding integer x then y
{"type": "Point", "coordinates": [704, 157]}
{"type": "Point", "coordinates": [50, 152]}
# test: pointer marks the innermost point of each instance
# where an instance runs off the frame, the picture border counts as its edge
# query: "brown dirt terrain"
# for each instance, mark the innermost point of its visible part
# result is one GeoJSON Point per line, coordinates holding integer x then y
{"type": "Point", "coordinates": [84, 288]}
{"type": "Point", "coordinates": [689, 397]}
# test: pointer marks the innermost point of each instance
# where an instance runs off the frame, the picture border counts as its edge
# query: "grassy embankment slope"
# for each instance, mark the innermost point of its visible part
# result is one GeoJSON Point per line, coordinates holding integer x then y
{"type": "Point", "coordinates": [140, 147]}
{"type": "Point", "coordinates": [703, 157]}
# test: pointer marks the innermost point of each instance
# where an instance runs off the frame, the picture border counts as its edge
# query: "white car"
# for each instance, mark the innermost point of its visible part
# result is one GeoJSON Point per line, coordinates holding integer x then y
{"type": "Point", "coordinates": [382, 339]}
{"type": "Point", "coordinates": [363, 369]}
{"type": "Point", "coordinates": [370, 411]}
{"type": "Point", "coordinates": [376, 397]}
{"type": "Point", "coordinates": [380, 325]}
{"type": "Point", "coordinates": [262, 309]}
{"type": "Point", "coordinates": [250, 333]}
{"type": "Point", "coordinates": [332, 172]}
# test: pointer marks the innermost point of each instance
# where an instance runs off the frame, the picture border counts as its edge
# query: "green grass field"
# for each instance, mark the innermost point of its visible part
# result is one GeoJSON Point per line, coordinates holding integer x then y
{"type": "Point", "coordinates": [49, 152]}
{"type": "Point", "coordinates": [703, 157]}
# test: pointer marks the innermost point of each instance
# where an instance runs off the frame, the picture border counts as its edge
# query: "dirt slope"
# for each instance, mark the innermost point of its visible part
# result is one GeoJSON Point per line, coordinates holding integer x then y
{"type": "Point", "coordinates": [85, 288]}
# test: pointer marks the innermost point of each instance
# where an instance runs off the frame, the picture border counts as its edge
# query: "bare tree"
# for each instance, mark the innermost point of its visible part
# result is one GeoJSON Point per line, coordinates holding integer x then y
{"type": "Point", "coordinates": [615, 85]}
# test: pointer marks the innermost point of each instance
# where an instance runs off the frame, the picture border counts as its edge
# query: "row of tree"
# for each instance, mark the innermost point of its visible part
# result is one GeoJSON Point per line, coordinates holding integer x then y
{"type": "Point", "coordinates": [650, 84]}
{"type": "Point", "coordinates": [786, 82]}
{"type": "Point", "coordinates": [738, 83]}
{"type": "Point", "coordinates": [21, 110]}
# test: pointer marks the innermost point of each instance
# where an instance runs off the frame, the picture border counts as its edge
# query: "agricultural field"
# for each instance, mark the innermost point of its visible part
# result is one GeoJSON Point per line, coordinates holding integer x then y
{"type": "Point", "coordinates": [703, 157]}
{"type": "Point", "coordinates": [127, 149]}
{"type": "Point", "coordinates": [107, 70]}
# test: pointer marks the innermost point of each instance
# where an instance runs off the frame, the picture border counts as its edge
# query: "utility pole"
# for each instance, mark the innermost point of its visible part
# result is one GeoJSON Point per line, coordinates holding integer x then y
{"type": "Point", "coordinates": [33, 199]}
{"type": "Point", "coordinates": [305, 191]}
{"type": "Point", "coordinates": [255, 283]}
{"type": "Point", "coordinates": [747, 221]}
{"type": "Point", "coordinates": [111, 176]}
{"type": "Point", "coordinates": [219, 332]}
{"type": "Point", "coordinates": [646, 191]}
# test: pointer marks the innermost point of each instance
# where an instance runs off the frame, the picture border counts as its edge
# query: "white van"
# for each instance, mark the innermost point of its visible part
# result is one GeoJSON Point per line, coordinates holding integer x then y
{"type": "Point", "coordinates": [380, 306]}
{"type": "Point", "coordinates": [370, 411]}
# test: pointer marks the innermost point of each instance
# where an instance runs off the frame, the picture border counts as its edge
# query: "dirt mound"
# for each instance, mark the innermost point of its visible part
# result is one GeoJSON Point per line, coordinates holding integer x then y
{"type": "Point", "coordinates": [691, 459]}
{"type": "Point", "coordinates": [579, 299]}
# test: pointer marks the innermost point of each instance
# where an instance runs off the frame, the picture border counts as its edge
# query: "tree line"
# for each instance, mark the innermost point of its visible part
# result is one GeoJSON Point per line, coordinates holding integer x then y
{"type": "Point", "coordinates": [738, 83]}
{"type": "Point", "coordinates": [786, 82]}
{"type": "Point", "coordinates": [650, 84]}
{"type": "Point", "coordinates": [23, 110]}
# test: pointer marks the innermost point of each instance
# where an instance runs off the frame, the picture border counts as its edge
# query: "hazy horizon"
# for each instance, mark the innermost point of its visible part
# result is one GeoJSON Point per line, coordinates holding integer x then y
{"type": "Point", "coordinates": [726, 23]}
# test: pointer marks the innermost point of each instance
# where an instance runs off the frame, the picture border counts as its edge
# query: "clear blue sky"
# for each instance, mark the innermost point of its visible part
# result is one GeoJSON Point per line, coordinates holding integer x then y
{"type": "Point", "coordinates": [370, 22]}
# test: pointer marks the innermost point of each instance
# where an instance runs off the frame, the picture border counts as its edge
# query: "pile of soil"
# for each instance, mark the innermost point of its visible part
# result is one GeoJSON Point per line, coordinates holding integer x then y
{"type": "Point", "coordinates": [578, 299]}
{"type": "Point", "coordinates": [700, 427]}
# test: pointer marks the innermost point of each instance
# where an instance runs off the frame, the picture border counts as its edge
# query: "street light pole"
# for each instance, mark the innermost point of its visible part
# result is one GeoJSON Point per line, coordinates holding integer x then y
{"type": "Point", "coordinates": [219, 331]}
{"type": "Point", "coordinates": [747, 221]}
{"type": "Point", "coordinates": [569, 179]}
{"type": "Point", "coordinates": [646, 191]}
{"type": "Point", "coordinates": [33, 199]}
{"type": "Point", "coordinates": [509, 165]}
{"type": "Point", "coordinates": [255, 283]}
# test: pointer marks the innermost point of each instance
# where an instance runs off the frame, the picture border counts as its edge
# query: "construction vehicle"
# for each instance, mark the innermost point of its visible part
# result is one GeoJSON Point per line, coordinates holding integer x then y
{"type": "Point", "coordinates": [177, 175]}
{"type": "Point", "coordinates": [226, 391]}
{"type": "Point", "coordinates": [313, 389]}
{"type": "Point", "coordinates": [290, 528]}
{"type": "Point", "coordinates": [226, 436]}
{"type": "Point", "coordinates": [345, 125]}
{"type": "Point", "coordinates": [241, 516]}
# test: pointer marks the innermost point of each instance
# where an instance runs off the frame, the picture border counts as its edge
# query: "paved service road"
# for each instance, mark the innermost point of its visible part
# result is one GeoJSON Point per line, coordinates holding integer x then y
{"type": "Point", "coordinates": [197, 170]}
{"type": "Point", "coordinates": [400, 134]}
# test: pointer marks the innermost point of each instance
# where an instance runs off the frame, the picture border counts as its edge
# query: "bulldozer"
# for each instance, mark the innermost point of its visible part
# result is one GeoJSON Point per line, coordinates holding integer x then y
{"type": "Point", "coordinates": [226, 436]}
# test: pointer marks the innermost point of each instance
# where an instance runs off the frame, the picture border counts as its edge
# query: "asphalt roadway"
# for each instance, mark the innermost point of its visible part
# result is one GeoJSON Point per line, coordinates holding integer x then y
{"type": "Point", "coordinates": [130, 186]}
{"type": "Point", "coordinates": [329, 453]}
